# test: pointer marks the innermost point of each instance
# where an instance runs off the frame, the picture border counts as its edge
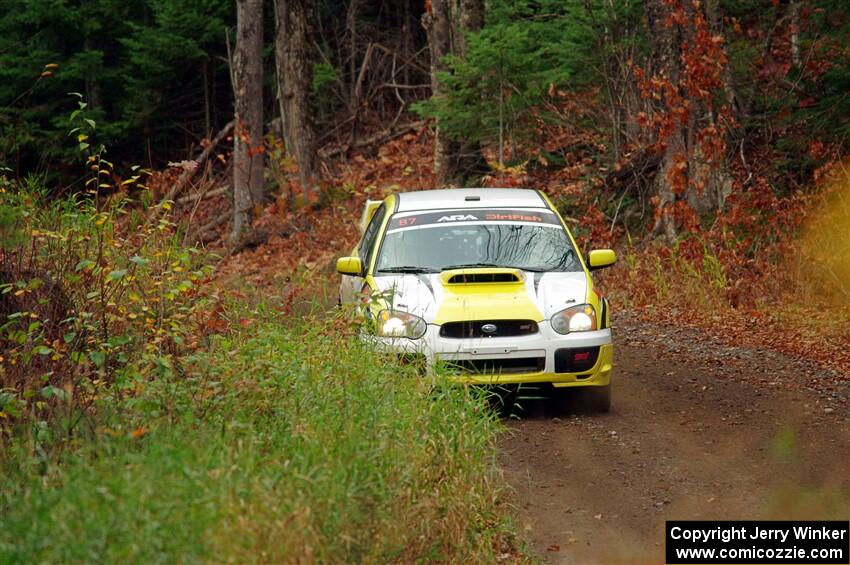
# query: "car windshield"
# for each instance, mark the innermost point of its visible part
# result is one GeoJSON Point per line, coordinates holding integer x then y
{"type": "Point", "coordinates": [466, 241]}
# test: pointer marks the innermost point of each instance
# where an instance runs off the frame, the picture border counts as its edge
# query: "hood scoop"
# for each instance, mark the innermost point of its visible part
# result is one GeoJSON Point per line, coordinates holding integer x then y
{"type": "Point", "coordinates": [486, 275]}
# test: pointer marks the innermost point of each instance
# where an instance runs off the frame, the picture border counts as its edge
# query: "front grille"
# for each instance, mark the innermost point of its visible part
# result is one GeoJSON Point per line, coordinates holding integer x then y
{"type": "Point", "coordinates": [500, 366]}
{"type": "Point", "coordinates": [575, 360]}
{"type": "Point", "coordinates": [504, 328]}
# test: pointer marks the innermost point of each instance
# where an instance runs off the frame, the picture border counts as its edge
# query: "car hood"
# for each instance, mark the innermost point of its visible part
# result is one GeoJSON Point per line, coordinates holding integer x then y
{"type": "Point", "coordinates": [534, 296]}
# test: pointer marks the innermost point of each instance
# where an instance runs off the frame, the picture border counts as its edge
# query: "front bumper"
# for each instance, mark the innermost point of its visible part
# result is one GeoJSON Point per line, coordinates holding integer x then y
{"type": "Point", "coordinates": [536, 358]}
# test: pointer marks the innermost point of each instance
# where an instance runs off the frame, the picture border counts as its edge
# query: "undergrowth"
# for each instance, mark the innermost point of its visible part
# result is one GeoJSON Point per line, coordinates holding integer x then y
{"type": "Point", "coordinates": [149, 414]}
{"type": "Point", "coordinates": [93, 295]}
{"type": "Point", "coordinates": [772, 272]}
{"type": "Point", "coordinates": [281, 442]}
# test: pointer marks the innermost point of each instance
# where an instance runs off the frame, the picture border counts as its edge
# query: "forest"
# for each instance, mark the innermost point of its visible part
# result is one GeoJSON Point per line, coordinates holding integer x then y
{"type": "Point", "coordinates": [178, 178]}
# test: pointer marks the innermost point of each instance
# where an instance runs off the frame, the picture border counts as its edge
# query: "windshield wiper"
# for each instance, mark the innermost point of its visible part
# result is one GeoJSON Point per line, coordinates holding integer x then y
{"type": "Point", "coordinates": [407, 269]}
{"type": "Point", "coordinates": [470, 265]}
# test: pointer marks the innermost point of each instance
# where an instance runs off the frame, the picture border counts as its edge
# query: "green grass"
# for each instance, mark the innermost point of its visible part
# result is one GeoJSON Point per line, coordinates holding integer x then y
{"type": "Point", "coordinates": [283, 441]}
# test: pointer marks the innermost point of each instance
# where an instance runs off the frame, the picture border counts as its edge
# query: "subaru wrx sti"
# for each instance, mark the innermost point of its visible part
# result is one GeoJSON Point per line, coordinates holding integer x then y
{"type": "Point", "coordinates": [487, 281]}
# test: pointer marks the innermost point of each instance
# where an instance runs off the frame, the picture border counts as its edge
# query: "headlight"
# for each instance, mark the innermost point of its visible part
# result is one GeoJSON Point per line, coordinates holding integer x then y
{"type": "Point", "coordinates": [581, 318]}
{"type": "Point", "coordinates": [395, 323]}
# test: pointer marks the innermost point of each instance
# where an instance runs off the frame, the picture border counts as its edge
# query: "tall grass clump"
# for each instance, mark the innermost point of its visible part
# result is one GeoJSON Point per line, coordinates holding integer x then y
{"type": "Point", "coordinates": [283, 442]}
{"type": "Point", "coordinates": [688, 274]}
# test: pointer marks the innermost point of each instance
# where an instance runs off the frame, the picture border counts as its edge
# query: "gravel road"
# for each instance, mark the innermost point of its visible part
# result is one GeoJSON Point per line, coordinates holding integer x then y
{"type": "Point", "coordinates": [698, 430]}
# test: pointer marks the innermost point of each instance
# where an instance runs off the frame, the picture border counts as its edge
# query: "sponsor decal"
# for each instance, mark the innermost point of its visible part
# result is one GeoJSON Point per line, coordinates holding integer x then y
{"type": "Point", "coordinates": [448, 217]}
{"type": "Point", "coordinates": [513, 217]}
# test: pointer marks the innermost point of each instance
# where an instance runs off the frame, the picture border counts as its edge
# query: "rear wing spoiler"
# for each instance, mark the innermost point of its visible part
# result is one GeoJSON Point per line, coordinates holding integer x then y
{"type": "Point", "coordinates": [369, 211]}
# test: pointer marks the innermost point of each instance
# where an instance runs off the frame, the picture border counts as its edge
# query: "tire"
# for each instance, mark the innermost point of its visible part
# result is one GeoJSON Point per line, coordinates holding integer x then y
{"type": "Point", "coordinates": [597, 399]}
{"type": "Point", "coordinates": [579, 400]}
{"type": "Point", "coordinates": [503, 400]}
{"type": "Point", "coordinates": [560, 403]}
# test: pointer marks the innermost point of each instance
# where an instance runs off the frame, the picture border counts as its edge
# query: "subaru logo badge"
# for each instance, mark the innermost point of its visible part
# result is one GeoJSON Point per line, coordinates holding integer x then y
{"type": "Point", "coordinates": [489, 328]}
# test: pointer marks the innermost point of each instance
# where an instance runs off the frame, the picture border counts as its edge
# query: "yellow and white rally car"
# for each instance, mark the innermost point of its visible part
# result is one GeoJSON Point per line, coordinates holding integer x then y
{"type": "Point", "coordinates": [489, 281]}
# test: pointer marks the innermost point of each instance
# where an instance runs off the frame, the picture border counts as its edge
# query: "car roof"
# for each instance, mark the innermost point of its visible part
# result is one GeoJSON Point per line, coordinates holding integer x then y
{"type": "Point", "coordinates": [461, 198]}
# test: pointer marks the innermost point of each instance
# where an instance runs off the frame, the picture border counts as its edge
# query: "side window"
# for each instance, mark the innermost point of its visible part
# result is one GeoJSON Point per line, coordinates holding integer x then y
{"type": "Point", "coordinates": [364, 250]}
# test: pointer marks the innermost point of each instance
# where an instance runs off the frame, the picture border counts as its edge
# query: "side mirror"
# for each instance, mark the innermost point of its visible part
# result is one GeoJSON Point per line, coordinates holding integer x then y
{"type": "Point", "coordinates": [351, 266]}
{"type": "Point", "coordinates": [601, 258]}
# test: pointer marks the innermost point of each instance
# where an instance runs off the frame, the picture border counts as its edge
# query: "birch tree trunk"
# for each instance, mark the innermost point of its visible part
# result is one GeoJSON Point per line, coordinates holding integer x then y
{"type": "Point", "coordinates": [248, 97]}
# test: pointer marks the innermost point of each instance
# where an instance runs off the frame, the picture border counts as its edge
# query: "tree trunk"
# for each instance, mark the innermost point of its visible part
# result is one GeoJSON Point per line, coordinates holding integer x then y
{"type": "Point", "coordinates": [248, 97]}
{"type": "Point", "coordinates": [794, 13]}
{"type": "Point", "coordinates": [693, 171]}
{"type": "Point", "coordinates": [470, 161]}
{"type": "Point", "coordinates": [294, 63]}
{"type": "Point", "coordinates": [436, 24]}
{"type": "Point", "coordinates": [715, 18]}
{"type": "Point", "coordinates": [665, 53]}
{"type": "Point", "coordinates": [445, 23]}
{"type": "Point", "coordinates": [351, 29]}
{"type": "Point", "coordinates": [471, 20]}
{"type": "Point", "coordinates": [407, 39]}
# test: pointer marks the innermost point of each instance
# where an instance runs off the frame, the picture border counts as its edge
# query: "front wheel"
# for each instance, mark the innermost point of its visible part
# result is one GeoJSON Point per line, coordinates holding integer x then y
{"type": "Point", "coordinates": [580, 400]}
{"type": "Point", "coordinates": [596, 398]}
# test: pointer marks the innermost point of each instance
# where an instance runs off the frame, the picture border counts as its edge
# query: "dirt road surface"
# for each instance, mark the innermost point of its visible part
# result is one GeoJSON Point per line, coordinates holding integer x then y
{"type": "Point", "coordinates": [698, 430]}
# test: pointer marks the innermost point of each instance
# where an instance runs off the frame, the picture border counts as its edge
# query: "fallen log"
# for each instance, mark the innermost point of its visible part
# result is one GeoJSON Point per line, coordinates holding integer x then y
{"type": "Point", "coordinates": [187, 174]}
{"type": "Point", "coordinates": [381, 137]}
{"type": "Point", "coordinates": [207, 232]}
{"type": "Point", "coordinates": [209, 194]}
{"type": "Point", "coordinates": [641, 165]}
{"type": "Point", "coordinates": [261, 234]}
